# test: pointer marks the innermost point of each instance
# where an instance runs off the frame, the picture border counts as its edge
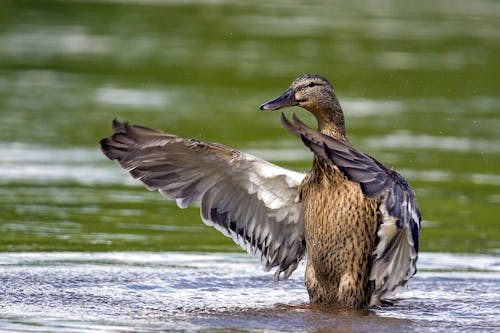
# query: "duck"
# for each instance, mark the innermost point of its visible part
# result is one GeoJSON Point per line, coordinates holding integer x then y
{"type": "Point", "coordinates": [357, 219]}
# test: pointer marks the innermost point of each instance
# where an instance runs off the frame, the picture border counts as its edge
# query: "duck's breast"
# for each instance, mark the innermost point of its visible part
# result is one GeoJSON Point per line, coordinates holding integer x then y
{"type": "Point", "coordinates": [340, 224]}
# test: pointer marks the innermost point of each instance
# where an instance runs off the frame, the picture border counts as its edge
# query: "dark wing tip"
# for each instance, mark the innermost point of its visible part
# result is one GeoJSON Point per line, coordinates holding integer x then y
{"type": "Point", "coordinates": [119, 126]}
{"type": "Point", "coordinates": [288, 125]}
{"type": "Point", "coordinates": [298, 122]}
{"type": "Point", "coordinates": [108, 148]}
{"type": "Point", "coordinates": [109, 145]}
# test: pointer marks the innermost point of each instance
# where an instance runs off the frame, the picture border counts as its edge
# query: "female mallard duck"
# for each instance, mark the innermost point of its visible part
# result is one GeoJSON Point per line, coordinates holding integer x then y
{"type": "Point", "coordinates": [358, 219]}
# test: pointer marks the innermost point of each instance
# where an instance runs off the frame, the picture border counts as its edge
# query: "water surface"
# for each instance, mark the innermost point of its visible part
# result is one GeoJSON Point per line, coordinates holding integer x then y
{"type": "Point", "coordinates": [175, 291]}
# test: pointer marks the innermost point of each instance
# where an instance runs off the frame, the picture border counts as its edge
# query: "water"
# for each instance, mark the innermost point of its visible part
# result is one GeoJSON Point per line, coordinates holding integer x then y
{"type": "Point", "coordinates": [418, 84]}
{"type": "Point", "coordinates": [173, 291]}
{"type": "Point", "coordinates": [419, 87]}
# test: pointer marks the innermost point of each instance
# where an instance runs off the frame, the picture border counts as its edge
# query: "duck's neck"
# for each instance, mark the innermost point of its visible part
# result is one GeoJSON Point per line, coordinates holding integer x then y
{"type": "Point", "coordinates": [331, 122]}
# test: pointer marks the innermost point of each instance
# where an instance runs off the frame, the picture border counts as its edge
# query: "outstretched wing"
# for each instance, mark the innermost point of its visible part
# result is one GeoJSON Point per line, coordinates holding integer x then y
{"type": "Point", "coordinates": [396, 253]}
{"type": "Point", "coordinates": [254, 202]}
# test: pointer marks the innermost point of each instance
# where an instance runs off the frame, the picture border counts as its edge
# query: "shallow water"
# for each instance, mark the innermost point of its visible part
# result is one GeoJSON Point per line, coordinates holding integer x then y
{"type": "Point", "coordinates": [418, 84]}
{"type": "Point", "coordinates": [173, 291]}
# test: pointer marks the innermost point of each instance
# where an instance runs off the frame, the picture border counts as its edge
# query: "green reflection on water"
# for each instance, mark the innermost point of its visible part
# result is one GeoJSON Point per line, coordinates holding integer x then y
{"type": "Point", "coordinates": [419, 87]}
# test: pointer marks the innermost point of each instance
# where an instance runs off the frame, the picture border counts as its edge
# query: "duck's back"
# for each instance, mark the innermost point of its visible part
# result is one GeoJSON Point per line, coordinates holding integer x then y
{"type": "Point", "coordinates": [340, 230]}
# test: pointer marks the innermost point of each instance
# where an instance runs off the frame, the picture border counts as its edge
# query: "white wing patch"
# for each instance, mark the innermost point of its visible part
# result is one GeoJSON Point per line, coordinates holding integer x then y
{"type": "Point", "coordinates": [395, 255]}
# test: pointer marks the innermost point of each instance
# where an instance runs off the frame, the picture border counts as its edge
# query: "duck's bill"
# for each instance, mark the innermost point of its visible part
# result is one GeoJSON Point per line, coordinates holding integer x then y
{"type": "Point", "coordinates": [285, 100]}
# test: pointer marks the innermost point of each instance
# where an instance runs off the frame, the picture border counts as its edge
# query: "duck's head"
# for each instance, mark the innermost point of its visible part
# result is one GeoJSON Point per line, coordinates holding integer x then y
{"type": "Point", "coordinates": [315, 94]}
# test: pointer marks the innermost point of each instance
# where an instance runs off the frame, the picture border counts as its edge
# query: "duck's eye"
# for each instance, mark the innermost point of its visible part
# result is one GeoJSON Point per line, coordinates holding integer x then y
{"type": "Point", "coordinates": [311, 84]}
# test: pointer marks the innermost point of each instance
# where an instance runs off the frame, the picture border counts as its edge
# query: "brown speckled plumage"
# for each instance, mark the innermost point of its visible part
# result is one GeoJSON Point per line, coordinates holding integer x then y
{"type": "Point", "coordinates": [341, 229]}
{"type": "Point", "coordinates": [343, 199]}
{"type": "Point", "coordinates": [358, 219]}
{"type": "Point", "coordinates": [340, 222]}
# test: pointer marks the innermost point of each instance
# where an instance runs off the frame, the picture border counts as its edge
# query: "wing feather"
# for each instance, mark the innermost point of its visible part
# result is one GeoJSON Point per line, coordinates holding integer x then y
{"type": "Point", "coordinates": [246, 198]}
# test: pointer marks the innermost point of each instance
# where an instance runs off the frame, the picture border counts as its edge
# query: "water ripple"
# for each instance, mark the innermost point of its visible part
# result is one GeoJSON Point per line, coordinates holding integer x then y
{"type": "Point", "coordinates": [159, 291]}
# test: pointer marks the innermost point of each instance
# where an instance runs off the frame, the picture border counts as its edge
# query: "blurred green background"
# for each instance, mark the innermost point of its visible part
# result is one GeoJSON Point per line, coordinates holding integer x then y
{"type": "Point", "coordinates": [418, 83]}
